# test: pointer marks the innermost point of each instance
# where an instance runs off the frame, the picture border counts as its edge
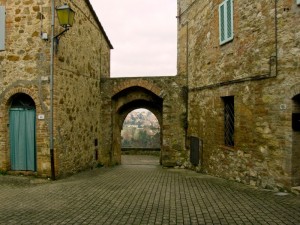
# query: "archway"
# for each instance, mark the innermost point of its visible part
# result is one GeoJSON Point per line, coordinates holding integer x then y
{"type": "Point", "coordinates": [126, 101]}
{"type": "Point", "coordinates": [22, 133]}
{"type": "Point", "coordinates": [140, 135]}
{"type": "Point", "coordinates": [296, 141]}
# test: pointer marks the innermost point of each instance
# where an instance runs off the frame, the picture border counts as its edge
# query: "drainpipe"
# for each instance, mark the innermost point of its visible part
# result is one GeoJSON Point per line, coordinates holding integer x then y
{"type": "Point", "coordinates": [276, 37]}
{"type": "Point", "coordinates": [187, 85]}
{"type": "Point", "coordinates": [51, 90]}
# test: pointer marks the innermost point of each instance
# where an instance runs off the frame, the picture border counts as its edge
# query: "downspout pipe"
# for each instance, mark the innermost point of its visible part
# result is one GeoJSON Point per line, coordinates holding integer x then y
{"type": "Point", "coordinates": [187, 84]}
{"type": "Point", "coordinates": [51, 91]}
{"type": "Point", "coordinates": [276, 37]}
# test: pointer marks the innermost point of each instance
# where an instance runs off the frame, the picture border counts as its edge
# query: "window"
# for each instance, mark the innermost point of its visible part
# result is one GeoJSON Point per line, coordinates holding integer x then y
{"type": "Point", "coordinates": [229, 121]}
{"type": "Point", "coordinates": [2, 28]}
{"type": "Point", "coordinates": [226, 21]}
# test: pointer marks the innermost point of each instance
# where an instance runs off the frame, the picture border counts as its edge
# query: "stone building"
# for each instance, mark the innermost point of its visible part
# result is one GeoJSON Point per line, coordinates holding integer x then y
{"type": "Point", "coordinates": [236, 96]}
{"type": "Point", "coordinates": [81, 57]}
{"type": "Point", "coordinates": [242, 63]}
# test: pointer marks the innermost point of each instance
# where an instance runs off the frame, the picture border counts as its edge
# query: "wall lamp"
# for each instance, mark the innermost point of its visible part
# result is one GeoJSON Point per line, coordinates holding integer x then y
{"type": "Point", "coordinates": [65, 17]}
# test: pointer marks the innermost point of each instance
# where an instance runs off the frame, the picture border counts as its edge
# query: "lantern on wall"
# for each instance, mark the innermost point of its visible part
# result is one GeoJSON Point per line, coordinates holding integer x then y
{"type": "Point", "coordinates": [65, 16]}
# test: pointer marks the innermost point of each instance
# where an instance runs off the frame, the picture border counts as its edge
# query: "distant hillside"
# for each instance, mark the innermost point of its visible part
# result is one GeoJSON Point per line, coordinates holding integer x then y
{"type": "Point", "coordinates": [141, 130]}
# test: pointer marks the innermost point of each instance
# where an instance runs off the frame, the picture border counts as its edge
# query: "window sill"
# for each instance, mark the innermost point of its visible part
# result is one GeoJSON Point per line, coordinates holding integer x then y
{"type": "Point", "coordinates": [227, 148]}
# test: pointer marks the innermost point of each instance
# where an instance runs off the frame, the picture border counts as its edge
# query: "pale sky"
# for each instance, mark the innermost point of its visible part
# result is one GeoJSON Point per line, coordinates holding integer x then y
{"type": "Point", "coordinates": [143, 34]}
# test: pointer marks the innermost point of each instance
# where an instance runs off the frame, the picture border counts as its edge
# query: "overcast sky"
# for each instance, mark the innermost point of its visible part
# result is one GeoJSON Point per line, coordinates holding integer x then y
{"type": "Point", "coordinates": [143, 34]}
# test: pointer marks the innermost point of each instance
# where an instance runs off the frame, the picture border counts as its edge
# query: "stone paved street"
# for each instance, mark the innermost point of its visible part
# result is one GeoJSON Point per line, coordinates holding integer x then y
{"type": "Point", "coordinates": [141, 194]}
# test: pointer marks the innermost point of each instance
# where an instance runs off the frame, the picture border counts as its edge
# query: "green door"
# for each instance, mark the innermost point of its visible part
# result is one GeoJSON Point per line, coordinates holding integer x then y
{"type": "Point", "coordinates": [22, 139]}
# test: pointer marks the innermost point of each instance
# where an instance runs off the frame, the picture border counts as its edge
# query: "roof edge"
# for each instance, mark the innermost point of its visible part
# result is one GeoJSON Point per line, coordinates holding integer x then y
{"type": "Point", "coordinates": [98, 23]}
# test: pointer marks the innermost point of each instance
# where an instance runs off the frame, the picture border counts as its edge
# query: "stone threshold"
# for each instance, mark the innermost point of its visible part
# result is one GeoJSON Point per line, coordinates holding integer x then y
{"type": "Point", "coordinates": [22, 177]}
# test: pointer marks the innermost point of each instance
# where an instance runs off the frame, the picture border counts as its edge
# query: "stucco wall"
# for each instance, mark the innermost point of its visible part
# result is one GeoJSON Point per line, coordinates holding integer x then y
{"type": "Point", "coordinates": [246, 69]}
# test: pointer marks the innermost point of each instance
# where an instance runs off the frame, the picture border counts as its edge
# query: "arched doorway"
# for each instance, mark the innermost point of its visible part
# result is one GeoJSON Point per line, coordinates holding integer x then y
{"type": "Point", "coordinates": [296, 141]}
{"type": "Point", "coordinates": [22, 133]}
{"type": "Point", "coordinates": [125, 102]}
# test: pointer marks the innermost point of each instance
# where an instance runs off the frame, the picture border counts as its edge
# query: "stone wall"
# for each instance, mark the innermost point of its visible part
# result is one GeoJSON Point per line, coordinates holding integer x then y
{"type": "Point", "coordinates": [24, 68]}
{"type": "Point", "coordinates": [246, 69]}
{"type": "Point", "coordinates": [81, 58]}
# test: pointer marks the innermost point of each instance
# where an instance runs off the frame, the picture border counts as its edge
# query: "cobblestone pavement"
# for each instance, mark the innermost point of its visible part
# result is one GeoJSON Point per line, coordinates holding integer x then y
{"type": "Point", "coordinates": [142, 194]}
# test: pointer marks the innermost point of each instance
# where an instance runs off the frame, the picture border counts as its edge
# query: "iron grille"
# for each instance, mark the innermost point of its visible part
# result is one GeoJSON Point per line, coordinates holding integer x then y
{"type": "Point", "coordinates": [229, 120]}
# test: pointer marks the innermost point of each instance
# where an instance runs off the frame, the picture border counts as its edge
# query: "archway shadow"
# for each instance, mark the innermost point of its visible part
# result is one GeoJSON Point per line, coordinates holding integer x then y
{"type": "Point", "coordinates": [296, 141]}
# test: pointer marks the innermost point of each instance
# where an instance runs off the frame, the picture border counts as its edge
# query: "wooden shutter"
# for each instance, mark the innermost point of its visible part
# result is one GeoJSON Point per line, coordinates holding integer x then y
{"type": "Point", "coordinates": [226, 21]}
{"type": "Point", "coordinates": [2, 28]}
{"type": "Point", "coordinates": [222, 22]}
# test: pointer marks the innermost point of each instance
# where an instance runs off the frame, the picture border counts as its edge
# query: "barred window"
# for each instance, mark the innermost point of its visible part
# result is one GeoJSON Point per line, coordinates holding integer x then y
{"type": "Point", "coordinates": [229, 121]}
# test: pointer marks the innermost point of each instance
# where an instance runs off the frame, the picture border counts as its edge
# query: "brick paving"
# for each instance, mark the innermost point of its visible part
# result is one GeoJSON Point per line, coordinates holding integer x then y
{"type": "Point", "coordinates": [141, 194]}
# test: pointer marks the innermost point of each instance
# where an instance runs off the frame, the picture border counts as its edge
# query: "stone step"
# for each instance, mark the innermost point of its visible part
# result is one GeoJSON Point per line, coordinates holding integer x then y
{"type": "Point", "coordinates": [296, 190]}
{"type": "Point", "coordinates": [21, 180]}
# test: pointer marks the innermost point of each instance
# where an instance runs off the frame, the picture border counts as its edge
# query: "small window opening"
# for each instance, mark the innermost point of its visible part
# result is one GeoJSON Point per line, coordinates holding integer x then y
{"type": "Point", "coordinates": [229, 121]}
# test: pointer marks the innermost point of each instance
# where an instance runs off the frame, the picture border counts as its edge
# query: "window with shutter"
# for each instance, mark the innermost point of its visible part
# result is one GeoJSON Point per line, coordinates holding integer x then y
{"type": "Point", "coordinates": [226, 21]}
{"type": "Point", "coordinates": [2, 28]}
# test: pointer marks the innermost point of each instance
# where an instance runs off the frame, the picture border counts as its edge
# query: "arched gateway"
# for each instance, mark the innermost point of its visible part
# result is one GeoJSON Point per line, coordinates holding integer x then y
{"type": "Point", "coordinates": [128, 100]}
{"type": "Point", "coordinates": [165, 100]}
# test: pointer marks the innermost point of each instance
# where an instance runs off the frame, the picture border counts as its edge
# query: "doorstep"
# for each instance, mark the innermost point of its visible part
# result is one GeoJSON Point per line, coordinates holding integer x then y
{"type": "Point", "coordinates": [15, 179]}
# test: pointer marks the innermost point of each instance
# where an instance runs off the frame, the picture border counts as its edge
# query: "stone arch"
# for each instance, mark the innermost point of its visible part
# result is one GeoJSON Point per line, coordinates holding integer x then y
{"type": "Point", "coordinates": [294, 90]}
{"type": "Point", "coordinates": [138, 83]}
{"type": "Point", "coordinates": [124, 102]}
{"type": "Point", "coordinates": [7, 99]}
{"type": "Point", "coordinates": [141, 104]}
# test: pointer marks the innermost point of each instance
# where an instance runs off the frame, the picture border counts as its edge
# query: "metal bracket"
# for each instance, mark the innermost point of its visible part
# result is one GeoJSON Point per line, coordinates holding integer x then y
{"type": "Point", "coordinates": [57, 37]}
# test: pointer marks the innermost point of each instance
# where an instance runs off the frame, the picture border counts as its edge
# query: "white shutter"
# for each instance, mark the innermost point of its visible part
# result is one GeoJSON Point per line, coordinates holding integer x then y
{"type": "Point", "coordinates": [222, 22]}
{"type": "Point", "coordinates": [2, 28]}
{"type": "Point", "coordinates": [226, 21]}
{"type": "Point", "coordinates": [229, 20]}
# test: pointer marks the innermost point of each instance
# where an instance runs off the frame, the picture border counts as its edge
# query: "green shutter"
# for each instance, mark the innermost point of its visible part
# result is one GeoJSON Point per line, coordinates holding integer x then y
{"type": "Point", "coordinates": [222, 23]}
{"type": "Point", "coordinates": [229, 20]}
{"type": "Point", "coordinates": [2, 28]}
{"type": "Point", "coordinates": [226, 21]}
